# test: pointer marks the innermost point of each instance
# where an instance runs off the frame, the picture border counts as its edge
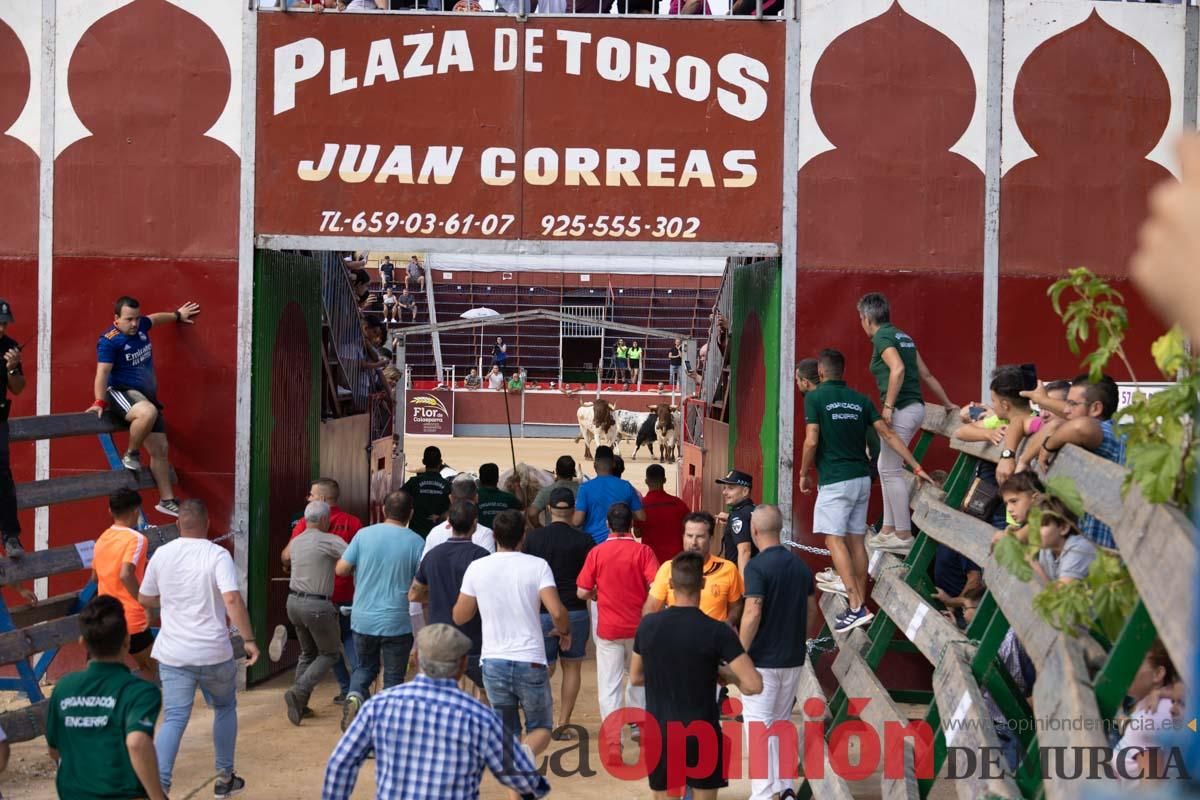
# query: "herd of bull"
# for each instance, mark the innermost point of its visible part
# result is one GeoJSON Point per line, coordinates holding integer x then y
{"type": "Point", "coordinates": [602, 423]}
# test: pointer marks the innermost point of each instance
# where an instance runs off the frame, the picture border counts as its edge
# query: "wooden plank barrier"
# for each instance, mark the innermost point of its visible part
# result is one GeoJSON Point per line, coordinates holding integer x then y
{"type": "Point", "coordinates": [967, 724]}
{"type": "Point", "coordinates": [830, 784]}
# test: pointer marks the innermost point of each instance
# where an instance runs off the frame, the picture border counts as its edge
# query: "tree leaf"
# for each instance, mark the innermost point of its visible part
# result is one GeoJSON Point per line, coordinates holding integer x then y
{"type": "Point", "coordinates": [1010, 554]}
{"type": "Point", "coordinates": [1065, 489]}
{"type": "Point", "coordinates": [1169, 352]}
{"type": "Point", "coordinates": [1155, 467]}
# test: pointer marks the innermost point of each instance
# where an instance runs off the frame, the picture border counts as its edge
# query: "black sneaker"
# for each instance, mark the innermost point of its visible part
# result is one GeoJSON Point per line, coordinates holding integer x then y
{"type": "Point", "coordinates": [339, 699]}
{"type": "Point", "coordinates": [168, 507]}
{"type": "Point", "coordinates": [12, 547]}
{"type": "Point", "coordinates": [295, 711]}
{"type": "Point", "coordinates": [228, 787]}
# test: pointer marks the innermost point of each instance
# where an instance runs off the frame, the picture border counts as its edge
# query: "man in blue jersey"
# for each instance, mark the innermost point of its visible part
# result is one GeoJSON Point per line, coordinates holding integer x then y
{"type": "Point", "coordinates": [125, 379]}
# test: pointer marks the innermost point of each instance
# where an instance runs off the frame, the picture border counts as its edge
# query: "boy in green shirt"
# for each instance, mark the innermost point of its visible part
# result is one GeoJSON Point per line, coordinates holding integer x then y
{"type": "Point", "coordinates": [838, 421]}
{"type": "Point", "coordinates": [100, 722]}
{"type": "Point", "coordinates": [493, 500]}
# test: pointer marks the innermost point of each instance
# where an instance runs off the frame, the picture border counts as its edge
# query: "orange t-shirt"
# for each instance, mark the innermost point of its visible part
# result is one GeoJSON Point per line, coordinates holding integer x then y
{"type": "Point", "coordinates": [118, 546]}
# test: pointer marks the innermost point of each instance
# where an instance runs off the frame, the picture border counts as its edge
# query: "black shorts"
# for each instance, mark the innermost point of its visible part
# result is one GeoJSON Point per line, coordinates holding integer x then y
{"type": "Point", "coordinates": [120, 400]}
{"type": "Point", "coordinates": [714, 779]}
{"type": "Point", "coordinates": [140, 641]}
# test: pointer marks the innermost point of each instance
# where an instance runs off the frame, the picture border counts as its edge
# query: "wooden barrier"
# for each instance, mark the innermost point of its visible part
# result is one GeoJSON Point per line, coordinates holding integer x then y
{"type": "Point", "coordinates": [830, 784]}
{"type": "Point", "coordinates": [968, 725]}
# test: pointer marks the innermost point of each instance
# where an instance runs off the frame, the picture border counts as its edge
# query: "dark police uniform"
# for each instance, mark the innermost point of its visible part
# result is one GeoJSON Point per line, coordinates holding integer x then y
{"type": "Point", "coordinates": [10, 527]}
{"type": "Point", "coordinates": [737, 528]}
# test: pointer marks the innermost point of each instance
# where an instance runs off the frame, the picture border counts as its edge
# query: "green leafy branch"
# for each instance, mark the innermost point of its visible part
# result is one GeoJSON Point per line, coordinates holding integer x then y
{"type": "Point", "coordinates": [1099, 307]}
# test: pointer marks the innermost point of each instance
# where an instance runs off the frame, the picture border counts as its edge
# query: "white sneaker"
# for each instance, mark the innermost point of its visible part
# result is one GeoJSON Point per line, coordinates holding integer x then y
{"type": "Point", "coordinates": [895, 544]}
{"type": "Point", "coordinates": [278, 640]}
{"type": "Point", "coordinates": [827, 575]}
{"type": "Point", "coordinates": [833, 587]}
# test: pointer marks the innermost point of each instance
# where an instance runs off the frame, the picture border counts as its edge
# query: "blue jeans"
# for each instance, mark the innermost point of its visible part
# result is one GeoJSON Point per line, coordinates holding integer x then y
{"type": "Point", "coordinates": [393, 651]}
{"type": "Point", "coordinates": [675, 373]}
{"type": "Point", "coordinates": [343, 669]}
{"type": "Point", "coordinates": [513, 685]}
{"type": "Point", "coordinates": [218, 683]}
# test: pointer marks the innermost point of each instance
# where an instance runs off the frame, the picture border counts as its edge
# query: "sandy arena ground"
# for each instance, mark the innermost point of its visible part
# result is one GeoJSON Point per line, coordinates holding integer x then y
{"type": "Point", "coordinates": [282, 762]}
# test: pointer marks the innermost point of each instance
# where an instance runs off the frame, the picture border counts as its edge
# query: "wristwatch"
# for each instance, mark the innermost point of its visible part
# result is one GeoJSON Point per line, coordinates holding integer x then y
{"type": "Point", "coordinates": [1008, 454]}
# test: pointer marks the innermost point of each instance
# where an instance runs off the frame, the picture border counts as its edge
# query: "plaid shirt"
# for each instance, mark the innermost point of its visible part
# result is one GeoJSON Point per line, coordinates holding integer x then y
{"type": "Point", "coordinates": [431, 742]}
{"type": "Point", "coordinates": [1113, 449]}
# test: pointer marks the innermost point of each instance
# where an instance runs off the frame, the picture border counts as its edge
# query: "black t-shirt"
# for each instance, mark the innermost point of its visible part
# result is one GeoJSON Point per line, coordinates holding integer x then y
{"type": "Point", "coordinates": [6, 343]}
{"type": "Point", "coordinates": [950, 569]}
{"type": "Point", "coordinates": [784, 583]}
{"type": "Point", "coordinates": [675, 357]}
{"type": "Point", "coordinates": [387, 269]}
{"type": "Point", "coordinates": [431, 498]}
{"type": "Point", "coordinates": [681, 649]}
{"type": "Point", "coordinates": [442, 571]}
{"type": "Point", "coordinates": [737, 531]}
{"type": "Point", "coordinates": [565, 549]}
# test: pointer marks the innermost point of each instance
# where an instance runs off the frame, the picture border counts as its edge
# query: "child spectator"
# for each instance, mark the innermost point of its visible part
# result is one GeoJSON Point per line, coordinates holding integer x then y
{"type": "Point", "coordinates": [1020, 493]}
{"type": "Point", "coordinates": [1066, 555]}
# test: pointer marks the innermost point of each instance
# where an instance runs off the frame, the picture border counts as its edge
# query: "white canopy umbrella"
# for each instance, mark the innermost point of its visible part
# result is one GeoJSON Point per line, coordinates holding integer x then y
{"type": "Point", "coordinates": [483, 312]}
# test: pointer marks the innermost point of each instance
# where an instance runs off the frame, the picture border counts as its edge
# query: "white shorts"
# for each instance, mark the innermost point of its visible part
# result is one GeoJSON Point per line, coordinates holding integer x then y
{"type": "Point", "coordinates": [842, 507]}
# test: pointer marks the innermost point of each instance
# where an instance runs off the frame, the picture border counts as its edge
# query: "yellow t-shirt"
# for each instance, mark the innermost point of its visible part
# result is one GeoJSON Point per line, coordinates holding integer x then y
{"type": "Point", "coordinates": [722, 587]}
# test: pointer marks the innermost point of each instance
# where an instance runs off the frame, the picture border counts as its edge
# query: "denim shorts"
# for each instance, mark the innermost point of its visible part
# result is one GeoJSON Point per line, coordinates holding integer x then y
{"type": "Point", "coordinates": [581, 628]}
{"type": "Point", "coordinates": [518, 684]}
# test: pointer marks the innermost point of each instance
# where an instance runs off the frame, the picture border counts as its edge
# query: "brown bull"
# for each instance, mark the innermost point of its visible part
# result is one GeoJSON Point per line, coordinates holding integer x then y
{"type": "Point", "coordinates": [597, 425]}
{"type": "Point", "coordinates": [666, 430]}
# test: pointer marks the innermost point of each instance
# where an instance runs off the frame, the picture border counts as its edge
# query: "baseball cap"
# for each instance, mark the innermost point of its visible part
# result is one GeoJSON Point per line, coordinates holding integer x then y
{"type": "Point", "coordinates": [442, 643]}
{"type": "Point", "coordinates": [562, 497]}
{"type": "Point", "coordinates": [736, 478]}
{"type": "Point", "coordinates": [432, 457]}
{"type": "Point", "coordinates": [5, 311]}
{"type": "Point", "coordinates": [565, 467]}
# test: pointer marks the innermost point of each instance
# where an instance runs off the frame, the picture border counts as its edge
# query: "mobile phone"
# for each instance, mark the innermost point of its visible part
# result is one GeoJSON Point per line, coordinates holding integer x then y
{"type": "Point", "coordinates": [1029, 379]}
{"type": "Point", "coordinates": [976, 412]}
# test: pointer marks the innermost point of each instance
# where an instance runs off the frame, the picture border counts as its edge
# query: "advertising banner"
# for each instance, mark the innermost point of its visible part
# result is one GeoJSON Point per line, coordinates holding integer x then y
{"type": "Point", "coordinates": [429, 413]}
{"type": "Point", "coordinates": [559, 129]}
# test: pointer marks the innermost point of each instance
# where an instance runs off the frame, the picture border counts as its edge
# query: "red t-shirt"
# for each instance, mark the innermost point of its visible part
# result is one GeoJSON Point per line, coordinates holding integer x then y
{"type": "Point", "coordinates": [621, 569]}
{"type": "Point", "coordinates": [663, 529]}
{"type": "Point", "coordinates": [344, 525]}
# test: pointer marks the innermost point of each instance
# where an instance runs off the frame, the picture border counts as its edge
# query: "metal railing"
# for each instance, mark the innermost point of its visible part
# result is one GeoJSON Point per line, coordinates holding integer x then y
{"type": "Point", "coordinates": [346, 330]}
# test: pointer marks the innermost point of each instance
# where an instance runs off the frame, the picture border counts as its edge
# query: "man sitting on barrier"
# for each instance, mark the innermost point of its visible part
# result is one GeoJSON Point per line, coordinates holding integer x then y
{"type": "Point", "coordinates": [837, 421]}
{"type": "Point", "coordinates": [125, 376]}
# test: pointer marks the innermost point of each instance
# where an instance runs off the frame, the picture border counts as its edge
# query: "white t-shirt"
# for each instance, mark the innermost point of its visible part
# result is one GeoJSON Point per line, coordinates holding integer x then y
{"type": "Point", "coordinates": [189, 576]}
{"type": "Point", "coordinates": [482, 536]}
{"type": "Point", "coordinates": [506, 587]}
{"type": "Point", "coordinates": [1146, 729]}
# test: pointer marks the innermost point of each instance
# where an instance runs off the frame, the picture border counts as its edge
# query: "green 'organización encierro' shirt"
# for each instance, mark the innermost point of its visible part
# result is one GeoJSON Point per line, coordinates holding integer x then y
{"type": "Point", "coordinates": [910, 388]}
{"type": "Point", "coordinates": [845, 417]}
{"type": "Point", "coordinates": [90, 714]}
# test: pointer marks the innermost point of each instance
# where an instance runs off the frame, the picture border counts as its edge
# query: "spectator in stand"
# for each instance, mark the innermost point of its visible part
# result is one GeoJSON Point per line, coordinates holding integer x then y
{"type": "Point", "coordinates": [390, 312]}
{"type": "Point", "coordinates": [343, 525]}
{"type": "Point", "coordinates": [621, 353]}
{"type": "Point", "coordinates": [492, 499]}
{"type": "Point", "coordinates": [12, 377]}
{"type": "Point", "coordinates": [635, 363]}
{"type": "Point", "coordinates": [495, 378]}
{"type": "Point", "coordinates": [391, 378]}
{"type": "Point", "coordinates": [1066, 555]}
{"type": "Point", "coordinates": [564, 477]}
{"type": "Point", "coordinates": [773, 631]}
{"type": "Point", "coordinates": [722, 599]}
{"type": "Point", "coordinates": [837, 421]}
{"type": "Point", "coordinates": [662, 529]}
{"type": "Point", "coordinates": [566, 550]}
{"type": "Point", "coordinates": [430, 493]}
{"type": "Point", "coordinates": [355, 267]}
{"type": "Point", "coordinates": [383, 559]}
{"type": "Point", "coordinates": [463, 488]}
{"type": "Point", "coordinates": [431, 740]}
{"type": "Point", "coordinates": [309, 559]}
{"type": "Point", "coordinates": [416, 274]}
{"type": "Point", "coordinates": [1043, 426]}
{"type": "Point", "coordinates": [597, 496]}
{"type": "Point", "coordinates": [675, 360]}
{"type": "Point", "coordinates": [368, 301]}
{"type": "Point", "coordinates": [439, 577]}
{"type": "Point", "coordinates": [100, 721]}
{"type": "Point", "coordinates": [473, 381]}
{"type": "Point", "coordinates": [118, 566]}
{"type": "Point", "coordinates": [387, 272]}
{"type": "Point", "coordinates": [499, 354]}
{"type": "Point", "coordinates": [899, 370]}
{"type": "Point", "coordinates": [617, 576]}
{"type": "Point", "coordinates": [406, 302]}
{"type": "Point", "coordinates": [125, 376]}
{"type": "Point", "coordinates": [1086, 422]}
{"type": "Point", "coordinates": [507, 589]}
{"type": "Point", "coordinates": [737, 545]}
{"type": "Point", "coordinates": [517, 382]}
{"type": "Point", "coordinates": [195, 584]}
{"type": "Point", "coordinates": [679, 655]}
{"type": "Point", "coordinates": [1155, 689]}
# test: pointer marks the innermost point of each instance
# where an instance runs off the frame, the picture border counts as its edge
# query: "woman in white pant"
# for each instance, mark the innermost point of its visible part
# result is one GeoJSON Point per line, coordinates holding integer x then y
{"type": "Point", "coordinates": [898, 371]}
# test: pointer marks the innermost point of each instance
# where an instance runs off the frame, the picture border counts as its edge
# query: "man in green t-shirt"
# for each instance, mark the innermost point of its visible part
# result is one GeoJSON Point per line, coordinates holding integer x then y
{"type": "Point", "coordinates": [430, 493]}
{"type": "Point", "coordinates": [100, 722]}
{"type": "Point", "coordinates": [838, 420]}
{"type": "Point", "coordinates": [493, 500]}
{"type": "Point", "coordinates": [898, 370]}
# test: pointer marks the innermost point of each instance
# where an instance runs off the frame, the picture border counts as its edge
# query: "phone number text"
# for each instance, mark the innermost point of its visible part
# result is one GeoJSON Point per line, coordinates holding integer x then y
{"type": "Point", "coordinates": [417, 223]}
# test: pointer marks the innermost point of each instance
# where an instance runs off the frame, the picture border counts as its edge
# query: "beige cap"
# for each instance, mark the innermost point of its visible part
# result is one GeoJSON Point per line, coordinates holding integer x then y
{"type": "Point", "coordinates": [442, 644]}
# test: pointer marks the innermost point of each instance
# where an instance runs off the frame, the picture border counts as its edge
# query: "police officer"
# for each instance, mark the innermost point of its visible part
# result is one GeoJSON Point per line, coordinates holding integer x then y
{"type": "Point", "coordinates": [737, 545]}
{"type": "Point", "coordinates": [13, 380]}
